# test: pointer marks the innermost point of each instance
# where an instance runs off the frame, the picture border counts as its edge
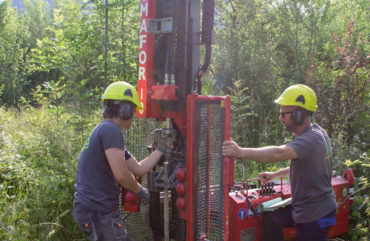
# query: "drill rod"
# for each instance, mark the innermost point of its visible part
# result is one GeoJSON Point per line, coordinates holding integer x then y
{"type": "Point", "coordinates": [166, 202]}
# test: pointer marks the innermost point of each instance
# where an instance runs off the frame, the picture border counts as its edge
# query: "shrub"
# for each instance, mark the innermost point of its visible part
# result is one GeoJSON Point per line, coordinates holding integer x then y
{"type": "Point", "coordinates": [38, 156]}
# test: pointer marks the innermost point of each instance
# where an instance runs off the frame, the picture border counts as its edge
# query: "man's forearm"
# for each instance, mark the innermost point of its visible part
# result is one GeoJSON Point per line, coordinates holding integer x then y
{"type": "Point", "coordinates": [283, 172]}
{"type": "Point", "coordinates": [150, 161]}
{"type": "Point", "coordinates": [266, 154]}
{"type": "Point", "coordinates": [129, 182]}
{"type": "Point", "coordinates": [144, 166]}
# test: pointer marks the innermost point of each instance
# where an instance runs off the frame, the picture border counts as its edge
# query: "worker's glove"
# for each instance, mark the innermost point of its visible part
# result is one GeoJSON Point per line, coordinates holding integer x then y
{"type": "Point", "coordinates": [144, 193]}
{"type": "Point", "coordinates": [163, 142]}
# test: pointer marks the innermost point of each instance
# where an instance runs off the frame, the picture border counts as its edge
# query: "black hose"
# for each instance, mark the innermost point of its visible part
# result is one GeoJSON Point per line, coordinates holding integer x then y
{"type": "Point", "coordinates": [206, 37]}
{"type": "Point", "coordinates": [207, 21]}
{"type": "Point", "coordinates": [261, 226]}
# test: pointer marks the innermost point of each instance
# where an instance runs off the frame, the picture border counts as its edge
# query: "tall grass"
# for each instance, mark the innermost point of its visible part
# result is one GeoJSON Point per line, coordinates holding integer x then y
{"type": "Point", "coordinates": [38, 156]}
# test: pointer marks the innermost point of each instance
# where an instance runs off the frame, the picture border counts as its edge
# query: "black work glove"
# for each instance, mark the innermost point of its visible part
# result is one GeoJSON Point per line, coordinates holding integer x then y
{"type": "Point", "coordinates": [164, 142]}
{"type": "Point", "coordinates": [144, 193]}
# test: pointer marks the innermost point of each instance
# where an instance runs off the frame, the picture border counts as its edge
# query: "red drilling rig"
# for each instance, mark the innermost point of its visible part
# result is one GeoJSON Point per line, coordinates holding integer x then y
{"type": "Point", "coordinates": [193, 193]}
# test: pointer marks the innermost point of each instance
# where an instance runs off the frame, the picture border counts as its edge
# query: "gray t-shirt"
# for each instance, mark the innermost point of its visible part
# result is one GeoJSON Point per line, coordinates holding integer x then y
{"type": "Point", "coordinates": [96, 187]}
{"type": "Point", "coordinates": [310, 176]}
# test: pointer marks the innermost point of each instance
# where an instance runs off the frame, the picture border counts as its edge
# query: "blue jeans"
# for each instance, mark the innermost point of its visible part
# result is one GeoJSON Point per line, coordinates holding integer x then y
{"type": "Point", "coordinates": [274, 223]}
{"type": "Point", "coordinates": [100, 226]}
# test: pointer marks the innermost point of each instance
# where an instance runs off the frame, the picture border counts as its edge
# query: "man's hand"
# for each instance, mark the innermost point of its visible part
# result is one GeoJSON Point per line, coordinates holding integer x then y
{"type": "Point", "coordinates": [164, 142]}
{"type": "Point", "coordinates": [144, 193]}
{"type": "Point", "coordinates": [266, 177]}
{"type": "Point", "coordinates": [232, 149]}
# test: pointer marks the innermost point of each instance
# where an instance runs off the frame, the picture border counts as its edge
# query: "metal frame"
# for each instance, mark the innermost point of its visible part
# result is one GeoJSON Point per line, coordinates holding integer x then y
{"type": "Point", "coordinates": [228, 175]}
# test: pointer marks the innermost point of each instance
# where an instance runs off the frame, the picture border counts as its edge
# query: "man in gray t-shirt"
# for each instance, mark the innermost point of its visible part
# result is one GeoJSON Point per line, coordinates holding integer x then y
{"type": "Point", "coordinates": [313, 207]}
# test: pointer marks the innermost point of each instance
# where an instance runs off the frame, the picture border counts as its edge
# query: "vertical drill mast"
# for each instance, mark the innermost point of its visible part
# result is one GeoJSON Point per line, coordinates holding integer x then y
{"type": "Point", "coordinates": [194, 178]}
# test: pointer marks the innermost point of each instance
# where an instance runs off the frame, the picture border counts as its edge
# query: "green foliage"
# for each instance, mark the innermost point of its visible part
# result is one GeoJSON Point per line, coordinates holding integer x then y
{"type": "Point", "coordinates": [39, 150]}
{"type": "Point", "coordinates": [13, 48]}
{"type": "Point", "coordinates": [360, 208]}
{"type": "Point", "coordinates": [67, 46]}
{"type": "Point", "coordinates": [341, 82]}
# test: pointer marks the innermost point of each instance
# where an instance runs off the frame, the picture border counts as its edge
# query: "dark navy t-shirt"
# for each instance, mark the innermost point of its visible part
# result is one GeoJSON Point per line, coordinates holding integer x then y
{"type": "Point", "coordinates": [96, 187]}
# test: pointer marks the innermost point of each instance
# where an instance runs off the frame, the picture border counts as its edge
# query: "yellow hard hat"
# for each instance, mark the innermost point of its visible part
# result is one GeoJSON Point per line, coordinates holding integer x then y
{"type": "Point", "coordinates": [121, 91]}
{"type": "Point", "coordinates": [298, 95]}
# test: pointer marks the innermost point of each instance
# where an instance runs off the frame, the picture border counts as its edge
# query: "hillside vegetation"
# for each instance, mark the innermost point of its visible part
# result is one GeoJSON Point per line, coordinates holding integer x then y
{"type": "Point", "coordinates": [54, 66]}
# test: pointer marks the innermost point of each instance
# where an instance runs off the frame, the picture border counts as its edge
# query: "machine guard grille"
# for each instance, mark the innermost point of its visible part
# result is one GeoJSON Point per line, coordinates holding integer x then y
{"type": "Point", "coordinates": [136, 141]}
{"type": "Point", "coordinates": [207, 167]}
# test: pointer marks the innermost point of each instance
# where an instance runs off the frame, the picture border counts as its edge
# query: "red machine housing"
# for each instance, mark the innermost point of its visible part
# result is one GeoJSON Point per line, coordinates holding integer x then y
{"type": "Point", "coordinates": [245, 224]}
{"type": "Point", "coordinates": [168, 58]}
{"type": "Point", "coordinates": [169, 88]}
{"type": "Point", "coordinates": [209, 174]}
{"type": "Point", "coordinates": [151, 108]}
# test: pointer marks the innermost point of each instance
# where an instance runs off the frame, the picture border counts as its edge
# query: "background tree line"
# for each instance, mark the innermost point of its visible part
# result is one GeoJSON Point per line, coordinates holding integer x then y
{"type": "Point", "coordinates": [55, 64]}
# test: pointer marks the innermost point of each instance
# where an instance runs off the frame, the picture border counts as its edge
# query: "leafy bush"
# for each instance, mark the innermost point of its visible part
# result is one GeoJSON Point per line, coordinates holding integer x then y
{"type": "Point", "coordinates": [360, 208]}
{"type": "Point", "coordinates": [38, 156]}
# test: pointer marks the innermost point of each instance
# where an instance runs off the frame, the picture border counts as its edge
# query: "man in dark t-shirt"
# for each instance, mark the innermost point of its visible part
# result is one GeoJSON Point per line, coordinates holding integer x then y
{"type": "Point", "coordinates": [105, 165]}
{"type": "Point", "coordinates": [313, 206]}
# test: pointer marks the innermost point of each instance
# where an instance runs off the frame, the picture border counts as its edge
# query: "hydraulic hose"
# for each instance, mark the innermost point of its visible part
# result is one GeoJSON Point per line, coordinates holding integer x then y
{"type": "Point", "coordinates": [206, 38]}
